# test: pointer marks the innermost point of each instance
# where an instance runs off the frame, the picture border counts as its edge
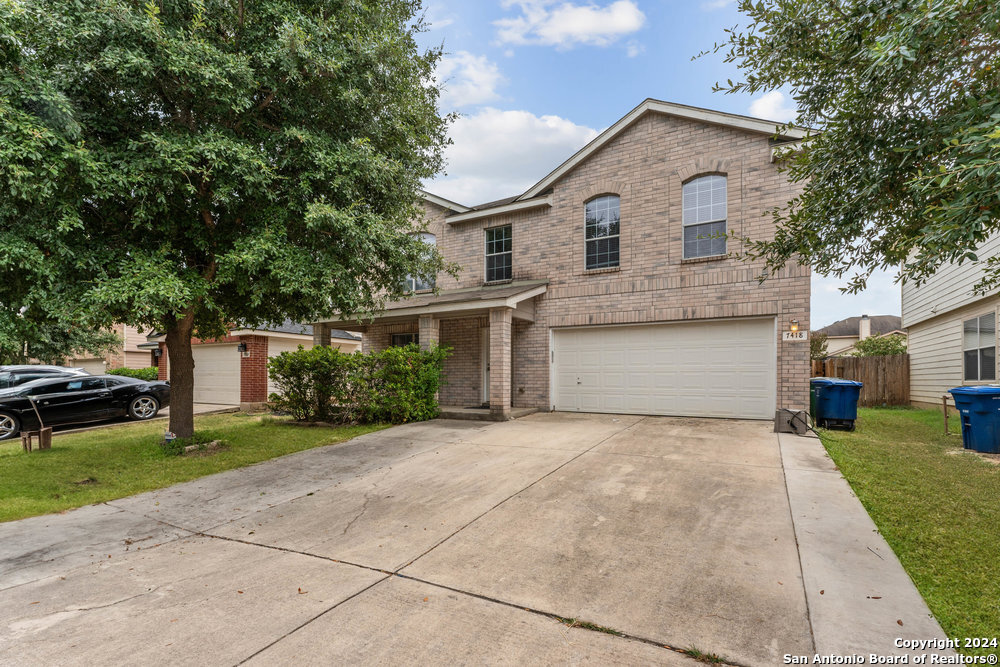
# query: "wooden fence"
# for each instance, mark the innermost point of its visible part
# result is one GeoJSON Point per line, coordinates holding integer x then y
{"type": "Point", "coordinates": [886, 379]}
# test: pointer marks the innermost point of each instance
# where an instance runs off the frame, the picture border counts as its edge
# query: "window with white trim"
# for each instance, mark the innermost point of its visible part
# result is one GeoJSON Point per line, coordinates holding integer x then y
{"type": "Point", "coordinates": [417, 283]}
{"type": "Point", "coordinates": [704, 216]}
{"type": "Point", "coordinates": [979, 348]}
{"type": "Point", "coordinates": [602, 230]}
{"type": "Point", "coordinates": [499, 254]}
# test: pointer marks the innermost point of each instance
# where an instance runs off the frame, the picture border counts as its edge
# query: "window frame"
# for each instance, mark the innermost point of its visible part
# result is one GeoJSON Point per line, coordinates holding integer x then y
{"type": "Point", "coordinates": [701, 223]}
{"type": "Point", "coordinates": [979, 348]}
{"type": "Point", "coordinates": [412, 286]}
{"type": "Point", "coordinates": [413, 339]}
{"type": "Point", "coordinates": [587, 241]}
{"type": "Point", "coordinates": [487, 254]}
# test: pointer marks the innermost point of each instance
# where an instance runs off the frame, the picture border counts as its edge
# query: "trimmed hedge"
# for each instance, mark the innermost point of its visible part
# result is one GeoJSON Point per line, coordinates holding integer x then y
{"type": "Point", "coordinates": [147, 374]}
{"type": "Point", "coordinates": [396, 385]}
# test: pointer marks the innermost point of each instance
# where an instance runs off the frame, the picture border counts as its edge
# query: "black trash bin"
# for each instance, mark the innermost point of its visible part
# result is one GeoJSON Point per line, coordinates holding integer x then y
{"type": "Point", "coordinates": [834, 402]}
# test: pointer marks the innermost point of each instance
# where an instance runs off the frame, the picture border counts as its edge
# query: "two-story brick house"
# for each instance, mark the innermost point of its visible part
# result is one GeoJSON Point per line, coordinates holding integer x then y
{"type": "Point", "coordinates": [609, 287]}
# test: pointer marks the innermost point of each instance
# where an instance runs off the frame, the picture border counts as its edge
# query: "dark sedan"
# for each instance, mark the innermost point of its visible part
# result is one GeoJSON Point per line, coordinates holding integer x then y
{"type": "Point", "coordinates": [72, 400]}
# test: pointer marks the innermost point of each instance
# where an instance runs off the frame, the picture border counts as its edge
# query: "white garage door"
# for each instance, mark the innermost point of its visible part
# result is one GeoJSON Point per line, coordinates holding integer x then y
{"type": "Point", "coordinates": [722, 368]}
{"type": "Point", "coordinates": [216, 373]}
{"type": "Point", "coordinates": [276, 346]}
{"type": "Point", "coordinates": [92, 366]}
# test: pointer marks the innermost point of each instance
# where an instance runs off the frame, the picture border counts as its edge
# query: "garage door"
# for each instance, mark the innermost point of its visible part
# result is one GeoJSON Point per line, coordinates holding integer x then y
{"type": "Point", "coordinates": [722, 368]}
{"type": "Point", "coordinates": [276, 346]}
{"type": "Point", "coordinates": [92, 366]}
{"type": "Point", "coordinates": [216, 374]}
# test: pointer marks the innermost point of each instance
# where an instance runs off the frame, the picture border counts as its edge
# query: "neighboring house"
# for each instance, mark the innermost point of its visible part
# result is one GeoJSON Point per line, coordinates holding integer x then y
{"type": "Point", "coordinates": [843, 335]}
{"type": "Point", "coordinates": [233, 370]}
{"type": "Point", "coordinates": [129, 355]}
{"type": "Point", "coordinates": [606, 287]}
{"type": "Point", "coordinates": [952, 332]}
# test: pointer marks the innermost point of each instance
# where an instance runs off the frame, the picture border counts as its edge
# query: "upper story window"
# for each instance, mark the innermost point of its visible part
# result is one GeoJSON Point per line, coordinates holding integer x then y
{"type": "Point", "coordinates": [499, 254]}
{"type": "Point", "coordinates": [704, 218]}
{"type": "Point", "coordinates": [602, 229]}
{"type": "Point", "coordinates": [979, 347]}
{"type": "Point", "coordinates": [416, 283]}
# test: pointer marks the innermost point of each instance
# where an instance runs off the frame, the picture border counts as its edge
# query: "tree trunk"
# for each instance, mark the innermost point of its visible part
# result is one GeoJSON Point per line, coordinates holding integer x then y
{"type": "Point", "coordinates": [181, 378]}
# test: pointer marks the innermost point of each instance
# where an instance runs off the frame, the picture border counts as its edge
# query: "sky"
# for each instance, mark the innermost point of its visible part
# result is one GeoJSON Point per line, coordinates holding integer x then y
{"type": "Point", "coordinates": [535, 80]}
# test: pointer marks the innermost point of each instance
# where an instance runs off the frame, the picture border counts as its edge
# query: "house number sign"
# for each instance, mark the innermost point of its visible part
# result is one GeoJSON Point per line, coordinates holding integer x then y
{"type": "Point", "coordinates": [795, 336]}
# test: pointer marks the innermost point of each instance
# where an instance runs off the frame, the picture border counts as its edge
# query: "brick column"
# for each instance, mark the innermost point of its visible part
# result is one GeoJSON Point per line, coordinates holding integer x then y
{"type": "Point", "coordinates": [253, 372]}
{"type": "Point", "coordinates": [162, 372]}
{"type": "Point", "coordinates": [500, 344]}
{"type": "Point", "coordinates": [321, 334]}
{"type": "Point", "coordinates": [429, 331]}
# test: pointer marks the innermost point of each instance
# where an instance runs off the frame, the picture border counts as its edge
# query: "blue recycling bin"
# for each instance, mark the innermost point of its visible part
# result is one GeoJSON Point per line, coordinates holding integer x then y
{"type": "Point", "coordinates": [834, 402]}
{"type": "Point", "coordinates": [979, 408]}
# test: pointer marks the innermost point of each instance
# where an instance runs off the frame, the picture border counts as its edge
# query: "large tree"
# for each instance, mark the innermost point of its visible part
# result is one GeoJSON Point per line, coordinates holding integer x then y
{"type": "Point", "coordinates": [185, 165]}
{"type": "Point", "coordinates": [904, 170]}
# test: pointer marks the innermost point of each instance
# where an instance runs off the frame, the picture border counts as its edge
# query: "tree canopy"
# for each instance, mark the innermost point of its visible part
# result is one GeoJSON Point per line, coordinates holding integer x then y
{"type": "Point", "coordinates": [880, 346]}
{"type": "Point", "coordinates": [184, 165]}
{"type": "Point", "coordinates": [904, 169]}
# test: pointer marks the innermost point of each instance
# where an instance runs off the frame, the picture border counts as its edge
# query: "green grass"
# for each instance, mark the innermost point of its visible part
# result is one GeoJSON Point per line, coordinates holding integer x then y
{"type": "Point", "coordinates": [937, 506]}
{"type": "Point", "coordinates": [104, 464]}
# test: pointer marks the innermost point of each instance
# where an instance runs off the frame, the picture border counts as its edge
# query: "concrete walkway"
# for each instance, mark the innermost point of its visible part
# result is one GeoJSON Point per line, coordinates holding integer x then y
{"type": "Point", "coordinates": [454, 541]}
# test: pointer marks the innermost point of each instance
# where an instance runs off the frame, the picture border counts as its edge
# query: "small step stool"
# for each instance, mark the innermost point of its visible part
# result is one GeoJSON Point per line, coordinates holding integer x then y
{"type": "Point", "coordinates": [44, 439]}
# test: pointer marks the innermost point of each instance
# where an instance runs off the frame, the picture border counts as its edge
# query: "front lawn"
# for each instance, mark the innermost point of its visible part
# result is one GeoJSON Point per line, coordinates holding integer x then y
{"type": "Point", "coordinates": [936, 505]}
{"type": "Point", "coordinates": [104, 464]}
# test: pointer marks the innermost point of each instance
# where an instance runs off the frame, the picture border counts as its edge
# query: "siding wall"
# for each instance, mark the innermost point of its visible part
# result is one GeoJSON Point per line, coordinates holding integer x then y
{"type": "Point", "coordinates": [935, 348]}
{"type": "Point", "coordinates": [949, 288]}
{"type": "Point", "coordinates": [646, 165]}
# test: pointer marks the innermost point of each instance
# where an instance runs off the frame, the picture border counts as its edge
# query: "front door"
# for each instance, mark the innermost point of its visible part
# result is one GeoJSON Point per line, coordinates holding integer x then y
{"type": "Point", "coordinates": [484, 356]}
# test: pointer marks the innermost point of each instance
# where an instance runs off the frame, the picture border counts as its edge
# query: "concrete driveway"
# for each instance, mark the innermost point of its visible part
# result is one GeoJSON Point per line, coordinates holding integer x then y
{"type": "Point", "coordinates": [467, 542]}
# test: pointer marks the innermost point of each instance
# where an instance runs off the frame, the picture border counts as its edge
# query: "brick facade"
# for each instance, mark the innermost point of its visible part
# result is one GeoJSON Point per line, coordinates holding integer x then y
{"type": "Point", "coordinates": [253, 371]}
{"type": "Point", "coordinates": [646, 165]}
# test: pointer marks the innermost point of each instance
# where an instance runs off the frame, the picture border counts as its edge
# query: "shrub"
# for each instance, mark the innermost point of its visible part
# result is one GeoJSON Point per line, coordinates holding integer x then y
{"type": "Point", "coordinates": [880, 346]}
{"type": "Point", "coordinates": [395, 385]}
{"type": "Point", "coordinates": [147, 374]}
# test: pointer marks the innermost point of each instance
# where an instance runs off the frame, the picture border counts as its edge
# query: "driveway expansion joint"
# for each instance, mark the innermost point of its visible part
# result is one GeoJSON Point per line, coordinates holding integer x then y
{"type": "Point", "coordinates": [664, 645]}
{"type": "Point", "coordinates": [798, 547]}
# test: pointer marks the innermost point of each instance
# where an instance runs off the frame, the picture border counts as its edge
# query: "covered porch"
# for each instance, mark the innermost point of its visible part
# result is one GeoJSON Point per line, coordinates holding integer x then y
{"type": "Point", "coordinates": [478, 323]}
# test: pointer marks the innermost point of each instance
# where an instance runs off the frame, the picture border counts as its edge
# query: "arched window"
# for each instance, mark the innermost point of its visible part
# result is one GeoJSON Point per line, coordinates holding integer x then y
{"type": "Point", "coordinates": [417, 283]}
{"type": "Point", "coordinates": [602, 230]}
{"type": "Point", "coordinates": [704, 218]}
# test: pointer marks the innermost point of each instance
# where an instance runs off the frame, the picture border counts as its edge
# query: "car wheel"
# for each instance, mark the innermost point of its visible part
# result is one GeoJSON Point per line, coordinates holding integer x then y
{"type": "Point", "coordinates": [9, 426]}
{"type": "Point", "coordinates": [143, 407]}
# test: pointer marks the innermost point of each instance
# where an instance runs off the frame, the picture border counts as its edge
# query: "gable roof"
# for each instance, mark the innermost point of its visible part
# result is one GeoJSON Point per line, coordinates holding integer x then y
{"type": "Point", "coordinates": [881, 324]}
{"type": "Point", "coordinates": [649, 105]}
{"type": "Point", "coordinates": [442, 202]}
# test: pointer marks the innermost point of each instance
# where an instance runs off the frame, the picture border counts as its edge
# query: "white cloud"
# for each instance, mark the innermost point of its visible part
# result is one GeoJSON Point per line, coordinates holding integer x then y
{"type": "Point", "coordinates": [634, 48]}
{"type": "Point", "coordinates": [436, 17]}
{"type": "Point", "coordinates": [499, 154]}
{"type": "Point", "coordinates": [773, 106]}
{"type": "Point", "coordinates": [467, 79]}
{"type": "Point", "coordinates": [566, 24]}
{"type": "Point", "coordinates": [829, 304]}
{"type": "Point", "coordinates": [712, 5]}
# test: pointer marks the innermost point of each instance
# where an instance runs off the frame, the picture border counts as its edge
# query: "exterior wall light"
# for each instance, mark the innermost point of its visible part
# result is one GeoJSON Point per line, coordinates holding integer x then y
{"type": "Point", "coordinates": [241, 348]}
{"type": "Point", "coordinates": [794, 325]}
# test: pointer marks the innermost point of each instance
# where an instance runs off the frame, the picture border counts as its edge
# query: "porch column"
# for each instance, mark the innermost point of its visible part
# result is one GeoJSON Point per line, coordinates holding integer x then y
{"type": "Point", "coordinates": [321, 334]}
{"type": "Point", "coordinates": [429, 331]}
{"type": "Point", "coordinates": [500, 342]}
